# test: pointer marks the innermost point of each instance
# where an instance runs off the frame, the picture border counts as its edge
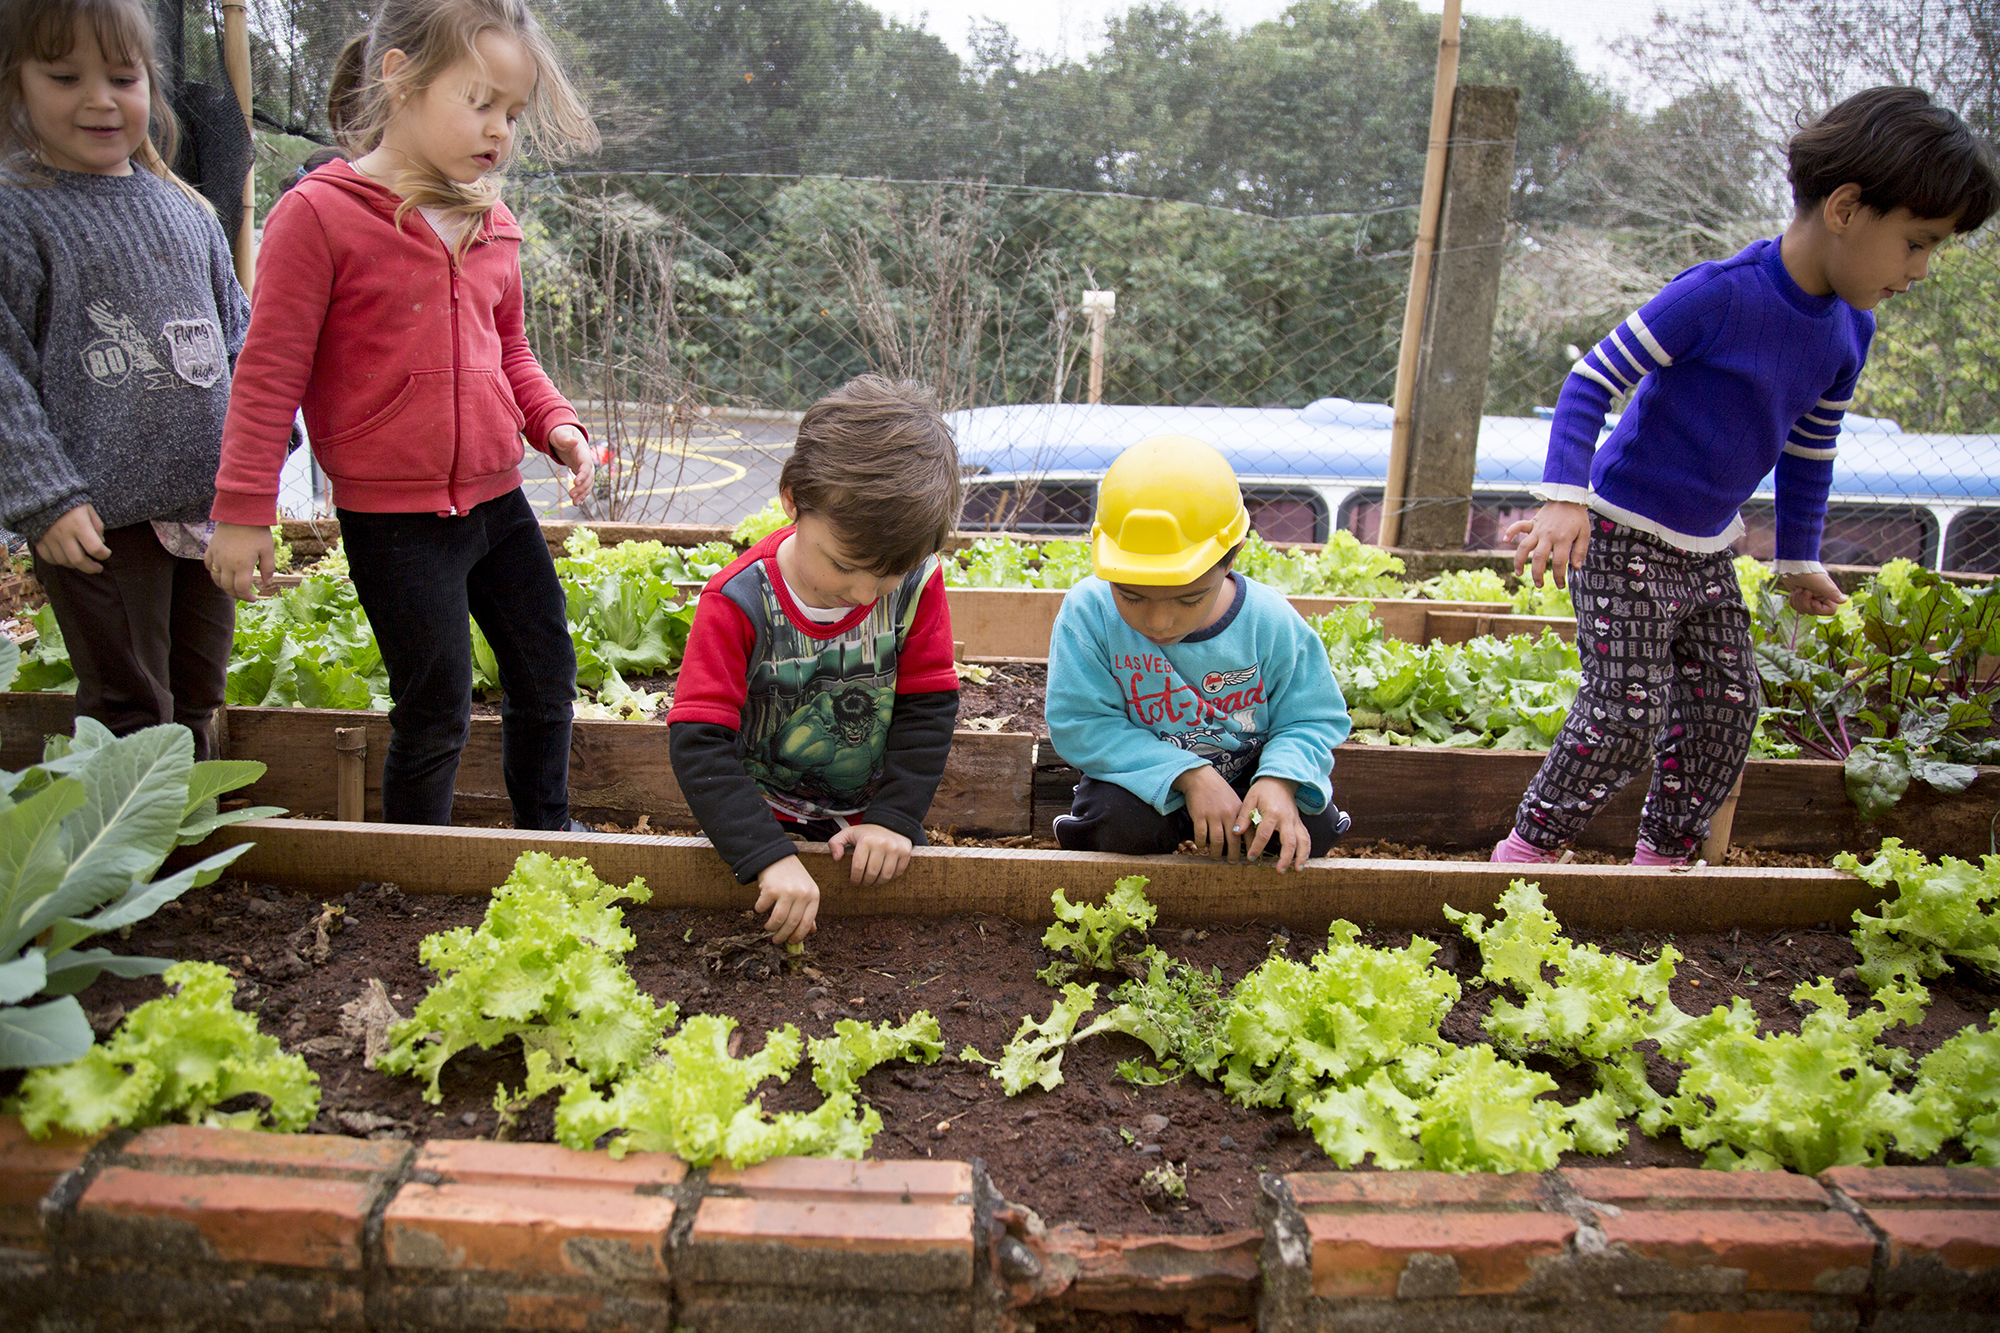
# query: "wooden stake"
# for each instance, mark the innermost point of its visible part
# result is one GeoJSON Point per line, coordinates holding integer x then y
{"type": "Point", "coordinates": [236, 57]}
{"type": "Point", "coordinates": [1099, 307]}
{"type": "Point", "coordinates": [1715, 848]}
{"type": "Point", "coordinates": [1428, 210]}
{"type": "Point", "coordinates": [350, 774]}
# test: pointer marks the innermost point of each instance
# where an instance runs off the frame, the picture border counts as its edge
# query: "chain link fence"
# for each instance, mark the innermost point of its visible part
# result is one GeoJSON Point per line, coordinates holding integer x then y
{"type": "Point", "coordinates": [692, 316]}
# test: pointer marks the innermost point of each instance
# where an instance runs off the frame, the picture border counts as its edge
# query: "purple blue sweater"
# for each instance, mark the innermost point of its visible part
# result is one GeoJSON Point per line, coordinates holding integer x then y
{"type": "Point", "coordinates": [1738, 371]}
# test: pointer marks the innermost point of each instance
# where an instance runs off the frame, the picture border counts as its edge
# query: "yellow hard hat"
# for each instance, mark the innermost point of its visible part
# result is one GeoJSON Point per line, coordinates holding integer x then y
{"type": "Point", "coordinates": [1167, 510]}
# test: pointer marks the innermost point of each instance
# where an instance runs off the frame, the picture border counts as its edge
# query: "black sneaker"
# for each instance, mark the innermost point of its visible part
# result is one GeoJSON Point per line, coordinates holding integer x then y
{"type": "Point", "coordinates": [1065, 838]}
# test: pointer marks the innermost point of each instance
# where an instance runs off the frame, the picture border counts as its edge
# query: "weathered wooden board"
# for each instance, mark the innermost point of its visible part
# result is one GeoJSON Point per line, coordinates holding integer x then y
{"type": "Point", "coordinates": [1460, 626]}
{"type": "Point", "coordinates": [617, 769]}
{"type": "Point", "coordinates": [1464, 800]}
{"type": "Point", "coordinates": [1416, 795]}
{"type": "Point", "coordinates": [331, 857]}
{"type": "Point", "coordinates": [1017, 622]}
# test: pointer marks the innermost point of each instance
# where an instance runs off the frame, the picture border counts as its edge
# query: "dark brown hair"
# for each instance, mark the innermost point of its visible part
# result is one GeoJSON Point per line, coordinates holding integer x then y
{"type": "Point", "coordinates": [1904, 151]}
{"type": "Point", "coordinates": [45, 30]}
{"type": "Point", "coordinates": [876, 460]}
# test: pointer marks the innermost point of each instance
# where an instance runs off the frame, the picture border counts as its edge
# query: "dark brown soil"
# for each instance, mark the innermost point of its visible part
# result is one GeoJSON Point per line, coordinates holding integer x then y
{"type": "Point", "coordinates": [1011, 695]}
{"type": "Point", "coordinates": [1075, 1154]}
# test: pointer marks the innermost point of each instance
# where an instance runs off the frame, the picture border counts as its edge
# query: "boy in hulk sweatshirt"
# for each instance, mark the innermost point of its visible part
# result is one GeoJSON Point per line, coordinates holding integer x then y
{"type": "Point", "coordinates": [1197, 703]}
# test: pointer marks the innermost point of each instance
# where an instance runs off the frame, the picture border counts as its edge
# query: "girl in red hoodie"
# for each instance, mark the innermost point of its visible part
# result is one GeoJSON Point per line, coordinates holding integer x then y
{"type": "Point", "coordinates": [388, 306]}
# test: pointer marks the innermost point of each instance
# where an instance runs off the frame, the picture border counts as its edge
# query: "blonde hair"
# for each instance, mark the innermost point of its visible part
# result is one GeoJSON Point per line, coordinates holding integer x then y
{"type": "Point", "coordinates": [433, 35]}
{"type": "Point", "coordinates": [45, 30]}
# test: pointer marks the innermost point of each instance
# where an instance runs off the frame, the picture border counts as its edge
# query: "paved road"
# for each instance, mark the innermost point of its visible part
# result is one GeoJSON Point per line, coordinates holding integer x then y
{"type": "Point", "coordinates": [729, 468]}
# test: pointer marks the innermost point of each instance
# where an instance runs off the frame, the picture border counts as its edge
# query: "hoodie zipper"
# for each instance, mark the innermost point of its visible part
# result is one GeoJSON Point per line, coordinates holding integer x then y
{"type": "Point", "coordinates": [457, 421]}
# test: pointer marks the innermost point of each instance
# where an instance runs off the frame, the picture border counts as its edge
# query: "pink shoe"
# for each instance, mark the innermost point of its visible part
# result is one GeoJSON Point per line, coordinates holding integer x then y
{"type": "Point", "coordinates": [1514, 847]}
{"type": "Point", "coordinates": [1644, 855]}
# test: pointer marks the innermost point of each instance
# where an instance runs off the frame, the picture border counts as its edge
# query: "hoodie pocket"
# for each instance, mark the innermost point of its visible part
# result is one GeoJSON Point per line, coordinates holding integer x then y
{"type": "Point", "coordinates": [407, 440]}
{"type": "Point", "coordinates": [489, 424]}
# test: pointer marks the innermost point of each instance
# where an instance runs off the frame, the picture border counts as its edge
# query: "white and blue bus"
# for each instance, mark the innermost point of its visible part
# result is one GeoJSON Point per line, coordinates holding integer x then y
{"type": "Point", "coordinates": [1033, 468]}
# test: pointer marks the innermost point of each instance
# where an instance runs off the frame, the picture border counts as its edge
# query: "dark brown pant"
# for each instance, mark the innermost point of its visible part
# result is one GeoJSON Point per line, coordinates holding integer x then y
{"type": "Point", "coordinates": [149, 637]}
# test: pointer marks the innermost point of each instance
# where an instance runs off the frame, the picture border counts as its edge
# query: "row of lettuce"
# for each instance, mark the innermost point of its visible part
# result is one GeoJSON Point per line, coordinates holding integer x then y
{"type": "Point", "coordinates": [1900, 686]}
{"type": "Point", "coordinates": [1348, 1042]}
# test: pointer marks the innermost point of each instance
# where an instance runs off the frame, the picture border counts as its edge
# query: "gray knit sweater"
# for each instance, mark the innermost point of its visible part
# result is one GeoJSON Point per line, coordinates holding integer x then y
{"type": "Point", "coordinates": [120, 317]}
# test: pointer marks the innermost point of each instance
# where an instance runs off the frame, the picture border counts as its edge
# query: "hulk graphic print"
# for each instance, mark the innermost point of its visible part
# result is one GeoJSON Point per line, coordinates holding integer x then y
{"type": "Point", "coordinates": [815, 718]}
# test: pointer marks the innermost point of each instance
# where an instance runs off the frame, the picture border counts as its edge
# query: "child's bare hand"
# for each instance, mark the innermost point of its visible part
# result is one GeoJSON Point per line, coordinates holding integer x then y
{"type": "Point", "coordinates": [239, 553]}
{"type": "Point", "coordinates": [1554, 540]}
{"type": "Point", "coordinates": [791, 895]}
{"type": "Point", "coordinates": [76, 541]}
{"type": "Point", "coordinates": [880, 854]}
{"type": "Point", "coordinates": [572, 449]}
{"type": "Point", "coordinates": [1812, 593]}
{"type": "Point", "coordinates": [1274, 801]}
{"type": "Point", "coordinates": [1213, 805]}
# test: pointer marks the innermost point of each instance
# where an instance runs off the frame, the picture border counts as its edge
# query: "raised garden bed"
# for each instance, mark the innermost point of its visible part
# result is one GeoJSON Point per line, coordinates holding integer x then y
{"type": "Point", "coordinates": [208, 1229]}
{"type": "Point", "coordinates": [1061, 1152]}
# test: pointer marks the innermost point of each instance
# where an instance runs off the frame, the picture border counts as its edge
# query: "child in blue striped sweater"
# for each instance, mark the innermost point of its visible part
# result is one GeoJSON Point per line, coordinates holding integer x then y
{"type": "Point", "coordinates": [1735, 369]}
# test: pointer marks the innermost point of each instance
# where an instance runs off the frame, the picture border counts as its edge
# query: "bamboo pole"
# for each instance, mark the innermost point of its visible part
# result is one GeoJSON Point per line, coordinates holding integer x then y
{"type": "Point", "coordinates": [236, 56]}
{"type": "Point", "coordinates": [1428, 212]}
{"type": "Point", "coordinates": [350, 780]}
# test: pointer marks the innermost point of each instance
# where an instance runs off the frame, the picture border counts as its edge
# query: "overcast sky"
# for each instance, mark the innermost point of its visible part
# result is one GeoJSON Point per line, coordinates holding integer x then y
{"type": "Point", "coordinates": [1072, 27]}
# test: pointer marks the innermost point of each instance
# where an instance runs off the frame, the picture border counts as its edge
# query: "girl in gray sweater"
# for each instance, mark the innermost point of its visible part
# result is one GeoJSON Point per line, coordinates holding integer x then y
{"type": "Point", "coordinates": [120, 317]}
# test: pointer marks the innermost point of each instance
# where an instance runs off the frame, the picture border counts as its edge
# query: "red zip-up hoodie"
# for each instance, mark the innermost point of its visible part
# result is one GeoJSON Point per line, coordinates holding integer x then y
{"type": "Point", "coordinates": [412, 366]}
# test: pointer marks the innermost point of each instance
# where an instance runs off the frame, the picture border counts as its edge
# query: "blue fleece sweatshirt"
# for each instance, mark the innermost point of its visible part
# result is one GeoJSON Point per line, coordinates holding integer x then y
{"type": "Point", "coordinates": [1252, 692]}
{"type": "Point", "coordinates": [1739, 371]}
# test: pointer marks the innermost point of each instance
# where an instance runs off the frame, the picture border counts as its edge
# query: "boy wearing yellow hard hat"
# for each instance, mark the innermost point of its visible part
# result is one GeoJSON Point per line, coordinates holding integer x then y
{"type": "Point", "coordinates": [1196, 702]}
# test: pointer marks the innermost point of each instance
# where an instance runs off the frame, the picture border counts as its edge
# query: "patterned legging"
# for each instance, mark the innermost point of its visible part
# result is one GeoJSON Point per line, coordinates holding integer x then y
{"type": "Point", "coordinates": [1667, 667]}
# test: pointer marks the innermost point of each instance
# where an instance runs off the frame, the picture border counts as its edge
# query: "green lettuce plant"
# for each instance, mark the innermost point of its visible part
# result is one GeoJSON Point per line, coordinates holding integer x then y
{"type": "Point", "coordinates": [82, 835]}
{"type": "Point", "coordinates": [545, 967]}
{"type": "Point", "coordinates": [179, 1057]}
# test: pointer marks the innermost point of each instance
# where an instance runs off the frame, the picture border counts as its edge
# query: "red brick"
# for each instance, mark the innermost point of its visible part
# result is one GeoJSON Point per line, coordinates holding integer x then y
{"type": "Point", "coordinates": [482, 1162]}
{"type": "Point", "coordinates": [519, 1228]}
{"type": "Point", "coordinates": [1688, 1187]}
{"type": "Point", "coordinates": [1776, 1251]}
{"type": "Point", "coordinates": [1738, 1321]}
{"type": "Point", "coordinates": [244, 1219]}
{"type": "Point", "coordinates": [1918, 1186]}
{"type": "Point", "coordinates": [831, 1180]}
{"type": "Point", "coordinates": [29, 1169]}
{"type": "Point", "coordinates": [1959, 1238]}
{"type": "Point", "coordinates": [827, 1247]}
{"type": "Point", "coordinates": [1425, 1190]}
{"type": "Point", "coordinates": [859, 1227]}
{"type": "Point", "coordinates": [1365, 1254]}
{"type": "Point", "coordinates": [315, 1156]}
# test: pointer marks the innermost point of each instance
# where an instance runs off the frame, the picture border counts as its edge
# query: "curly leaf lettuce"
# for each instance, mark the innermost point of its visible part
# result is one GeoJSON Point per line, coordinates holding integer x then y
{"type": "Point", "coordinates": [546, 966]}
{"type": "Point", "coordinates": [179, 1057]}
{"type": "Point", "coordinates": [696, 1101]}
{"type": "Point", "coordinates": [1091, 933]}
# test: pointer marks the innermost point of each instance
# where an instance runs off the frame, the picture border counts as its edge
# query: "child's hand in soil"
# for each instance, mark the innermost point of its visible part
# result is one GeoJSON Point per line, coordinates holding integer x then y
{"type": "Point", "coordinates": [1213, 806]}
{"type": "Point", "coordinates": [880, 854]}
{"type": "Point", "coordinates": [791, 895]}
{"type": "Point", "coordinates": [1275, 808]}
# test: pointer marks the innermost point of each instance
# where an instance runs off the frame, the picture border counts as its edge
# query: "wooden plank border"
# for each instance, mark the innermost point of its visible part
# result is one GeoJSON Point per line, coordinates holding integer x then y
{"type": "Point", "coordinates": [1008, 785]}
{"type": "Point", "coordinates": [618, 770]}
{"type": "Point", "coordinates": [331, 857]}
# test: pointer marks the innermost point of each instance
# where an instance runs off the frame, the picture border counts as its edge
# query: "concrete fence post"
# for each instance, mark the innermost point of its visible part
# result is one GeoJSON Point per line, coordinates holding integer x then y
{"type": "Point", "coordinates": [1457, 341]}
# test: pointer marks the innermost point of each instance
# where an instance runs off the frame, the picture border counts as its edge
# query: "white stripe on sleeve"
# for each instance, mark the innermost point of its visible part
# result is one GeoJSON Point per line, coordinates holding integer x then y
{"type": "Point", "coordinates": [1647, 340]}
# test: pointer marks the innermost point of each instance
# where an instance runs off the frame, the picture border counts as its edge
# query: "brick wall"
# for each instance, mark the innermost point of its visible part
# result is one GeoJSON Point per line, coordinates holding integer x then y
{"type": "Point", "coordinates": [212, 1230]}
